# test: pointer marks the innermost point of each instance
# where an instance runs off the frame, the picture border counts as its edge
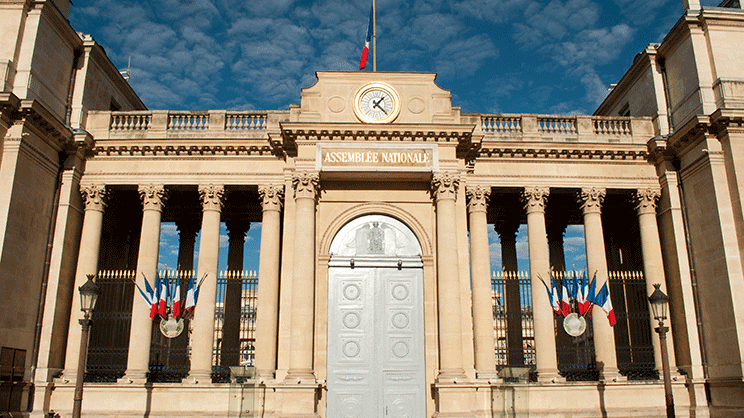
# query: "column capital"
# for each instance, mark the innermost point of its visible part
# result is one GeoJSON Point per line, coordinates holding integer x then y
{"type": "Point", "coordinates": [444, 185]}
{"type": "Point", "coordinates": [95, 196]}
{"type": "Point", "coordinates": [306, 184]}
{"type": "Point", "coordinates": [592, 199]}
{"type": "Point", "coordinates": [478, 197]}
{"type": "Point", "coordinates": [272, 196]}
{"type": "Point", "coordinates": [646, 200]}
{"type": "Point", "coordinates": [211, 196]}
{"type": "Point", "coordinates": [153, 196]}
{"type": "Point", "coordinates": [237, 228]}
{"type": "Point", "coordinates": [535, 198]}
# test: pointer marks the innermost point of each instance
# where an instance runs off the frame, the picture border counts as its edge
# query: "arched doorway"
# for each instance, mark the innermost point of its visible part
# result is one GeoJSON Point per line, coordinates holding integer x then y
{"type": "Point", "coordinates": [375, 321]}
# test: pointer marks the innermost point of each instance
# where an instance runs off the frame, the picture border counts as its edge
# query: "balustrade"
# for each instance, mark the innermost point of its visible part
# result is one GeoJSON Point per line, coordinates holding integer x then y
{"type": "Point", "coordinates": [611, 126]}
{"type": "Point", "coordinates": [188, 121]}
{"type": "Point", "coordinates": [126, 121]}
{"type": "Point", "coordinates": [556, 125]}
{"type": "Point", "coordinates": [245, 121]}
{"type": "Point", "coordinates": [501, 124]}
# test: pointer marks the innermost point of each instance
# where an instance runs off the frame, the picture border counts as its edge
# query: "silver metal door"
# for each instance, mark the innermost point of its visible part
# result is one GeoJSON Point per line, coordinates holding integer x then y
{"type": "Point", "coordinates": [375, 335]}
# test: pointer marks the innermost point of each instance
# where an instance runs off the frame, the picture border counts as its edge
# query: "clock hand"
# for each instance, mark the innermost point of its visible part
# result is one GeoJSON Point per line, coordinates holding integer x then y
{"type": "Point", "coordinates": [377, 104]}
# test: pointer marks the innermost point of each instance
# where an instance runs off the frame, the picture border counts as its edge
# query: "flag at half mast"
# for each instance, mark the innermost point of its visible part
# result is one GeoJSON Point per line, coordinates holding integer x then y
{"type": "Point", "coordinates": [370, 29]}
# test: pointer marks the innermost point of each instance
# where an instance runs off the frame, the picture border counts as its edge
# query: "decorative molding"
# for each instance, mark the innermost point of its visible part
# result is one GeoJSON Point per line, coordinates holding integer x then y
{"type": "Point", "coordinates": [211, 196]}
{"type": "Point", "coordinates": [646, 200]}
{"type": "Point", "coordinates": [535, 198]}
{"type": "Point", "coordinates": [95, 196]}
{"type": "Point", "coordinates": [477, 197]}
{"type": "Point", "coordinates": [153, 196]}
{"type": "Point", "coordinates": [166, 150]}
{"type": "Point", "coordinates": [444, 185]}
{"type": "Point", "coordinates": [592, 199]}
{"type": "Point", "coordinates": [272, 196]}
{"type": "Point", "coordinates": [573, 153]}
{"type": "Point", "coordinates": [306, 185]}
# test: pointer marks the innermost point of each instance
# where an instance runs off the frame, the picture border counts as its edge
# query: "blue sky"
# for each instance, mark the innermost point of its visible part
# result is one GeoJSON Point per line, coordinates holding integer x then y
{"type": "Point", "coordinates": [496, 56]}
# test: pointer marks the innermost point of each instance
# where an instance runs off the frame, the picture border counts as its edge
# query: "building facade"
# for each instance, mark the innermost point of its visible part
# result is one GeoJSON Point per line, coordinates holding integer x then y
{"type": "Point", "coordinates": [374, 294]}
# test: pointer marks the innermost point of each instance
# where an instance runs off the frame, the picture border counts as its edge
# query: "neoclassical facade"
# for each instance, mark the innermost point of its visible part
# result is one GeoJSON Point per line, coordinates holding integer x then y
{"type": "Point", "coordinates": [375, 294]}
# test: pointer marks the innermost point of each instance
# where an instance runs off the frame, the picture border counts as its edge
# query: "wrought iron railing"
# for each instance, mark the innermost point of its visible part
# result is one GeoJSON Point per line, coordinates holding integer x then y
{"type": "Point", "coordinates": [109, 334]}
{"type": "Point", "coordinates": [514, 328]}
{"type": "Point", "coordinates": [235, 322]}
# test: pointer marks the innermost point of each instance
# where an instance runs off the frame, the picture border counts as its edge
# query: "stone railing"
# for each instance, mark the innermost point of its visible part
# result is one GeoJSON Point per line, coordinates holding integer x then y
{"type": "Point", "coordinates": [580, 128]}
{"type": "Point", "coordinates": [179, 122]}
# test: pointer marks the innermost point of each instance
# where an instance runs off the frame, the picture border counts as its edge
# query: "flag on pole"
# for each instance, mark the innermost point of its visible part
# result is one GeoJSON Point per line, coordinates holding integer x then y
{"type": "Point", "coordinates": [365, 51]}
{"type": "Point", "coordinates": [163, 305]}
{"type": "Point", "coordinates": [565, 302]}
{"type": "Point", "coordinates": [603, 301]}
{"type": "Point", "coordinates": [582, 291]}
{"type": "Point", "coordinates": [147, 294]}
{"type": "Point", "coordinates": [190, 296]}
{"type": "Point", "coordinates": [177, 298]}
{"type": "Point", "coordinates": [155, 298]}
{"type": "Point", "coordinates": [552, 294]}
{"type": "Point", "coordinates": [591, 293]}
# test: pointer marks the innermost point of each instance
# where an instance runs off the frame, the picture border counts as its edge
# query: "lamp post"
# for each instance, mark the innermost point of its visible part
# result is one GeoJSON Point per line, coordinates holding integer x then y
{"type": "Point", "coordinates": [88, 297]}
{"type": "Point", "coordinates": [659, 304]}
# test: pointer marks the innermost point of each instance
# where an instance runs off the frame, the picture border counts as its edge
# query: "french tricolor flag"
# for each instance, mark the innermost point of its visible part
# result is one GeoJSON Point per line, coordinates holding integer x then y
{"type": "Point", "coordinates": [190, 296]}
{"type": "Point", "coordinates": [565, 300]}
{"type": "Point", "coordinates": [177, 299]}
{"type": "Point", "coordinates": [603, 301]}
{"type": "Point", "coordinates": [163, 305]}
{"type": "Point", "coordinates": [365, 51]}
{"type": "Point", "coordinates": [154, 299]}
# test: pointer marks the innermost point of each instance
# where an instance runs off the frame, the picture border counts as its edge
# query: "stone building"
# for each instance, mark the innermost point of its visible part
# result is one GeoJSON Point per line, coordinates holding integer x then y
{"type": "Point", "coordinates": [374, 294]}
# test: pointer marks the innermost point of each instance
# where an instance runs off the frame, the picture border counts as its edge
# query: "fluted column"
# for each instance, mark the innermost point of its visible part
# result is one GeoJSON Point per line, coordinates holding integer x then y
{"type": "Point", "coordinates": [547, 365]}
{"type": "Point", "coordinates": [153, 199]}
{"type": "Point", "coordinates": [230, 352]}
{"type": "Point", "coordinates": [95, 198]}
{"type": "Point", "coordinates": [596, 261]}
{"type": "Point", "coordinates": [480, 276]}
{"type": "Point", "coordinates": [444, 189]}
{"type": "Point", "coordinates": [653, 264]}
{"type": "Point", "coordinates": [267, 317]}
{"type": "Point", "coordinates": [209, 250]}
{"type": "Point", "coordinates": [303, 279]}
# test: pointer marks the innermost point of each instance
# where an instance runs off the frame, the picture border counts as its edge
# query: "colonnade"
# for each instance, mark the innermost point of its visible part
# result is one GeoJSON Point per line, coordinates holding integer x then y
{"type": "Point", "coordinates": [305, 194]}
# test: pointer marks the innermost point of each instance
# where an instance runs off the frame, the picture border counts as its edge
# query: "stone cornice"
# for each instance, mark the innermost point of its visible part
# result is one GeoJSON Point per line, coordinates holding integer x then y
{"type": "Point", "coordinates": [183, 148]}
{"type": "Point", "coordinates": [690, 134]}
{"type": "Point", "coordinates": [294, 132]}
{"type": "Point", "coordinates": [44, 124]}
{"type": "Point", "coordinates": [572, 151]}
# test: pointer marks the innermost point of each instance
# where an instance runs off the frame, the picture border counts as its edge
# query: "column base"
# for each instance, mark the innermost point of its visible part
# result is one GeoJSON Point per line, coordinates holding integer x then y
{"type": "Point", "coordinates": [300, 376]}
{"type": "Point", "coordinates": [492, 376]}
{"type": "Point", "coordinates": [136, 377]}
{"type": "Point", "coordinates": [549, 376]}
{"type": "Point", "coordinates": [452, 376]}
{"type": "Point", "coordinates": [453, 401]}
{"type": "Point", "coordinates": [611, 375]}
{"type": "Point", "coordinates": [198, 377]}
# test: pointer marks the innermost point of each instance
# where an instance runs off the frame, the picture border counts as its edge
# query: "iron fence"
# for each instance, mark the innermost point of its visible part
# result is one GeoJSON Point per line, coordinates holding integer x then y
{"type": "Point", "coordinates": [514, 328]}
{"type": "Point", "coordinates": [235, 322]}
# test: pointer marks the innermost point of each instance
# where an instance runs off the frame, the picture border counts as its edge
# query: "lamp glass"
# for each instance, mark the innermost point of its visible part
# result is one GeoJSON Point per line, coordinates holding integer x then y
{"type": "Point", "coordinates": [88, 295]}
{"type": "Point", "coordinates": [659, 303]}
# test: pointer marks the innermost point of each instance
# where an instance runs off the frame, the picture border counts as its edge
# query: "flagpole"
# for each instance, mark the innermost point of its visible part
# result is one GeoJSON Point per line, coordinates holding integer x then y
{"type": "Point", "coordinates": [374, 37]}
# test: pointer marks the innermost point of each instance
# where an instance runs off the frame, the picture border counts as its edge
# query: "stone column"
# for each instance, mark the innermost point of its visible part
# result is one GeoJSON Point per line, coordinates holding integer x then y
{"type": "Point", "coordinates": [95, 198]}
{"type": "Point", "coordinates": [153, 199]}
{"type": "Point", "coordinates": [267, 316]}
{"type": "Point", "coordinates": [187, 230]}
{"type": "Point", "coordinates": [556, 228]}
{"type": "Point", "coordinates": [444, 189]}
{"type": "Point", "coordinates": [547, 365]}
{"type": "Point", "coordinates": [303, 279]}
{"type": "Point", "coordinates": [209, 249]}
{"type": "Point", "coordinates": [480, 276]}
{"type": "Point", "coordinates": [596, 261]}
{"type": "Point", "coordinates": [507, 230]}
{"type": "Point", "coordinates": [230, 353]}
{"type": "Point", "coordinates": [653, 264]}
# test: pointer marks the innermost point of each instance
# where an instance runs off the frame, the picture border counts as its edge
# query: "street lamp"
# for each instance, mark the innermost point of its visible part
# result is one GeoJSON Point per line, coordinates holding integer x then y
{"type": "Point", "coordinates": [88, 296]}
{"type": "Point", "coordinates": [659, 304]}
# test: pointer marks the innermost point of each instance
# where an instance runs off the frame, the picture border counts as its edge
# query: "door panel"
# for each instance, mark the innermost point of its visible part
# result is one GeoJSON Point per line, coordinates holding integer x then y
{"type": "Point", "coordinates": [375, 342]}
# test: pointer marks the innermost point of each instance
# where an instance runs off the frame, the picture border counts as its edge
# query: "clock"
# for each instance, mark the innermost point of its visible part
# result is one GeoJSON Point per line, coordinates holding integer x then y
{"type": "Point", "coordinates": [377, 103]}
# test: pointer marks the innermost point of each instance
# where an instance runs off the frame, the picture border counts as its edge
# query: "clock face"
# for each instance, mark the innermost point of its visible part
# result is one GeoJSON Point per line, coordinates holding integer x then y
{"type": "Point", "coordinates": [377, 103]}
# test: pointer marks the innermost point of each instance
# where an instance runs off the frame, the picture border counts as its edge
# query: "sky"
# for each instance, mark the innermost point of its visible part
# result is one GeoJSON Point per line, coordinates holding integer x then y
{"type": "Point", "coordinates": [495, 56]}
